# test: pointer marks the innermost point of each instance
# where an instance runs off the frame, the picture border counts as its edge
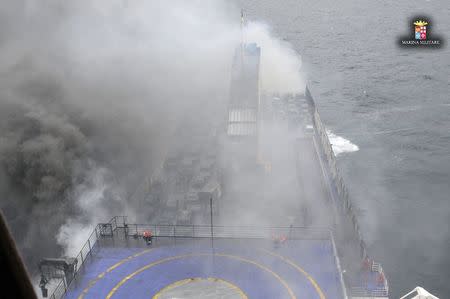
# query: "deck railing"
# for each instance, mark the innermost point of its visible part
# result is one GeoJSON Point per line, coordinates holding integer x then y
{"type": "Point", "coordinates": [85, 253]}
{"type": "Point", "coordinates": [375, 293]}
{"type": "Point", "coordinates": [245, 232]}
{"type": "Point", "coordinates": [339, 191]}
{"type": "Point", "coordinates": [118, 227]}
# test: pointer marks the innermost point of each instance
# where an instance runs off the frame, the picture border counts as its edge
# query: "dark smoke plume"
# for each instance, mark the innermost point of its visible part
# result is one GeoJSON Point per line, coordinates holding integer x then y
{"type": "Point", "coordinates": [90, 95]}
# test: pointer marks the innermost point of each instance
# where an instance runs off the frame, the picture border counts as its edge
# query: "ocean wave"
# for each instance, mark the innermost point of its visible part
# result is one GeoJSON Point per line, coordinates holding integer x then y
{"type": "Point", "coordinates": [341, 145]}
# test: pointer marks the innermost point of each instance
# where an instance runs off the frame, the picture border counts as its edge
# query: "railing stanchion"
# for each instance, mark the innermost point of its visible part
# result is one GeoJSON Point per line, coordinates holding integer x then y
{"type": "Point", "coordinates": [64, 284]}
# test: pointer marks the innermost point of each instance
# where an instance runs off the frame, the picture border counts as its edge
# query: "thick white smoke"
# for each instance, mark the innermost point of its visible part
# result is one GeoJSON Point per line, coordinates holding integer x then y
{"type": "Point", "coordinates": [280, 64]}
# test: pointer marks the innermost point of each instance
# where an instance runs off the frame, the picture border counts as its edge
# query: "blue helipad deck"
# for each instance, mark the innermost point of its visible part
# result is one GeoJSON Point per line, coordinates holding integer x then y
{"type": "Point", "coordinates": [295, 269]}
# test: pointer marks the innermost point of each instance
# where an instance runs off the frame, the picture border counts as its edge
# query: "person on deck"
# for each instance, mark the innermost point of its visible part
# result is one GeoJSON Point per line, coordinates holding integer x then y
{"type": "Point", "coordinates": [147, 236]}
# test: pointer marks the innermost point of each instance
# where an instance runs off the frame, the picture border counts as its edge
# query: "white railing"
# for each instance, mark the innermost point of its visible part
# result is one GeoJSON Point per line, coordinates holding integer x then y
{"type": "Point", "coordinates": [376, 267]}
{"type": "Point", "coordinates": [363, 292]}
{"type": "Point", "coordinates": [246, 232]}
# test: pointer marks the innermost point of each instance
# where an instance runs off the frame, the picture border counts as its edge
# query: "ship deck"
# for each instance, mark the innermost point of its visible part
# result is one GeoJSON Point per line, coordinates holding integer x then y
{"type": "Point", "coordinates": [255, 268]}
{"type": "Point", "coordinates": [303, 267]}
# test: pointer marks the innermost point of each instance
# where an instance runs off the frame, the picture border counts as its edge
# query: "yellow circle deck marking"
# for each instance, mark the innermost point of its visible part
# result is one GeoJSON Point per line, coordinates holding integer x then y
{"type": "Point", "coordinates": [284, 283]}
{"type": "Point", "coordinates": [189, 280]}
{"type": "Point", "coordinates": [174, 285]}
{"type": "Point", "coordinates": [300, 269]}
{"type": "Point", "coordinates": [93, 281]}
{"type": "Point", "coordinates": [231, 285]}
{"type": "Point", "coordinates": [168, 259]}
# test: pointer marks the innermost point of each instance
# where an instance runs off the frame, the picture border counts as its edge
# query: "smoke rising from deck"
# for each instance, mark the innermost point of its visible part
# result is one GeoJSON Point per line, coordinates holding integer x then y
{"type": "Point", "coordinates": [90, 94]}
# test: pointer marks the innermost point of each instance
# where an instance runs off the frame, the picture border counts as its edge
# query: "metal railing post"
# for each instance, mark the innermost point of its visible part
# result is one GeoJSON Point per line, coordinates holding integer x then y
{"type": "Point", "coordinates": [125, 230]}
{"type": "Point", "coordinates": [64, 284]}
{"type": "Point", "coordinates": [90, 249]}
{"type": "Point", "coordinates": [338, 265]}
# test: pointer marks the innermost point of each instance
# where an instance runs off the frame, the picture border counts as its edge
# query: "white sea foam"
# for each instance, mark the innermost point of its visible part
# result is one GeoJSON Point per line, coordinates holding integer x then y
{"type": "Point", "coordinates": [341, 145]}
